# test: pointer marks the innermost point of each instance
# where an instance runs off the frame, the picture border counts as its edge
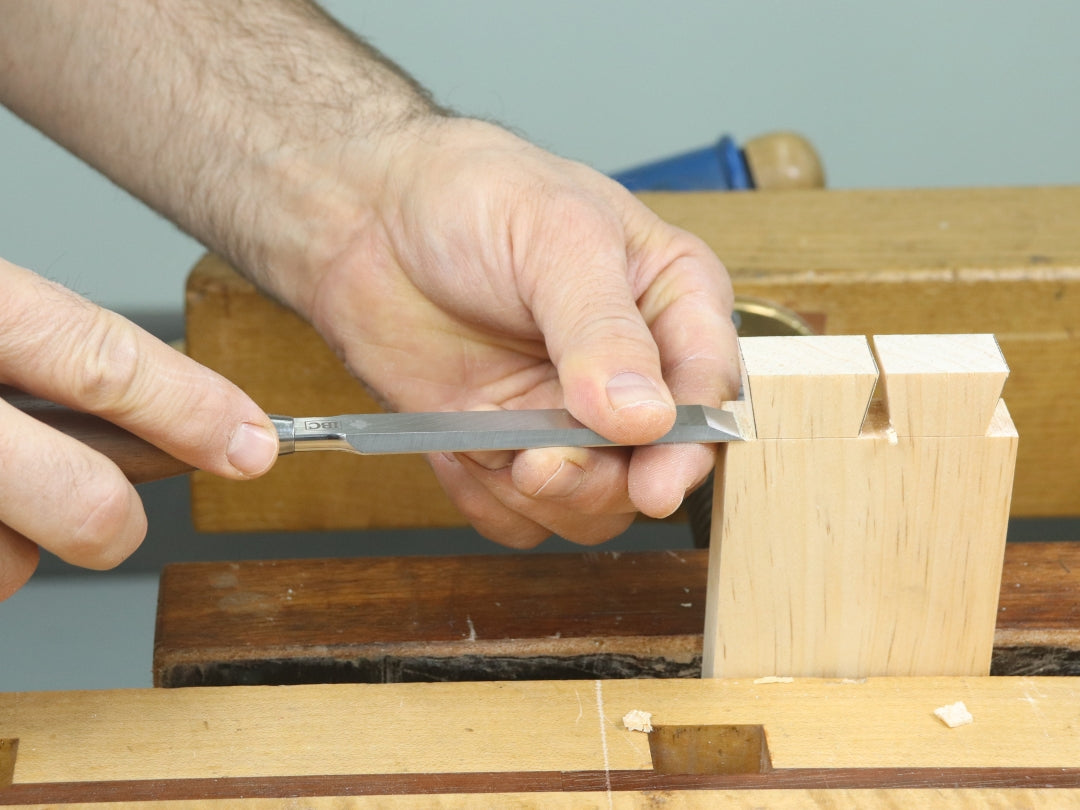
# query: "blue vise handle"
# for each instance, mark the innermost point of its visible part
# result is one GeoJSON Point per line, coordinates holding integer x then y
{"type": "Point", "coordinates": [720, 167]}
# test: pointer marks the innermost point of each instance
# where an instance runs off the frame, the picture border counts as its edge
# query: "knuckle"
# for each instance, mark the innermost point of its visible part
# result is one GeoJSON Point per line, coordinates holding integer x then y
{"type": "Point", "coordinates": [684, 242]}
{"type": "Point", "coordinates": [107, 364]}
{"type": "Point", "coordinates": [109, 530]}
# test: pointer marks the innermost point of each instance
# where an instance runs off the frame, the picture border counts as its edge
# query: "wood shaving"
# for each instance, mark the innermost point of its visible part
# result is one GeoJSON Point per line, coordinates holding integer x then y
{"type": "Point", "coordinates": [637, 720]}
{"type": "Point", "coordinates": [955, 714]}
{"type": "Point", "coordinates": [774, 679]}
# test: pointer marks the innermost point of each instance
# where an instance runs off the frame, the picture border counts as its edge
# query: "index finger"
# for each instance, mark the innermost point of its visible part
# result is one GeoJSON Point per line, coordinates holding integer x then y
{"type": "Point", "coordinates": [58, 345]}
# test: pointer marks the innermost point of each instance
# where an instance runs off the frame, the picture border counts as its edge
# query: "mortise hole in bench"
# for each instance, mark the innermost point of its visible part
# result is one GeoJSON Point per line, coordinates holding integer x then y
{"type": "Point", "coordinates": [725, 749]}
{"type": "Point", "coordinates": [8, 747]}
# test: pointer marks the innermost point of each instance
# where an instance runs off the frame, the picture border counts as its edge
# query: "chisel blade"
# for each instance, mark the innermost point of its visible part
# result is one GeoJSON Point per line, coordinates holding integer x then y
{"type": "Point", "coordinates": [467, 431]}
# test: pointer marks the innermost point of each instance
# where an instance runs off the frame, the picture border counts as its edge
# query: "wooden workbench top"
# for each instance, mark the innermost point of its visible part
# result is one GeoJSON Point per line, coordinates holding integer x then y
{"type": "Point", "coordinates": [550, 738]}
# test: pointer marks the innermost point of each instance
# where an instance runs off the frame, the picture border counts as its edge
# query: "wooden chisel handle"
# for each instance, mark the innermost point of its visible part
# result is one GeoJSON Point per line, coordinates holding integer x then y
{"type": "Point", "coordinates": [139, 460]}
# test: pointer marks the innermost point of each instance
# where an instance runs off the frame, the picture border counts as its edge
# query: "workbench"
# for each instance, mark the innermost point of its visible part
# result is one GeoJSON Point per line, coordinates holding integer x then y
{"type": "Point", "coordinates": [825, 743]}
{"type": "Point", "coordinates": [621, 632]}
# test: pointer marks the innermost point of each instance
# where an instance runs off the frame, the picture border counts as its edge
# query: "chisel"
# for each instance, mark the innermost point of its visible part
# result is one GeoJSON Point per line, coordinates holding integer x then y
{"type": "Point", "coordinates": [380, 433]}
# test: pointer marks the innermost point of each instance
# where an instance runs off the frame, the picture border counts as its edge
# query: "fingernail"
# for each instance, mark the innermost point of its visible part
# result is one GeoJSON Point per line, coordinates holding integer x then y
{"type": "Point", "coordinates": [252, 449]}
{"type": "Point", "coordinates": [629, 389]}
{"type": "Point", "coordinates": [563, 481]}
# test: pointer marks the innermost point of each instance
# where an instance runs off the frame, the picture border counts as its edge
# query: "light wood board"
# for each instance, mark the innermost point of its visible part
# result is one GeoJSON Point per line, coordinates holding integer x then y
{"type": "Point", "coordinates": [848, 548]}
{"type": "Point", "coordinates": [564, 733]}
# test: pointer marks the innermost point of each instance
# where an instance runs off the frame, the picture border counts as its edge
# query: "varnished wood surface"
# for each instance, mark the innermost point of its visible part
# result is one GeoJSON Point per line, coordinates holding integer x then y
{"type": "Point", "coordinates": [736, 799]}
{"type": "Point", "coordinates": [873, 799]}
{"type": "Point", "coordinates": [430, 618]}
{"type": "Point", "coordinates": [938, 798]}
{"type": "Point", "coordinates": [584, 615]}
{"type": "Point", "coordinates": [866, 787]}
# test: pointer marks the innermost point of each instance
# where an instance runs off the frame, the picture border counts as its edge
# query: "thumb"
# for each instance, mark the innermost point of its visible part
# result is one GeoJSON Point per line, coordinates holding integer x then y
{"type": "Point", "coordinates": [608, 362]}
{"type": "Point", "coordinates": [611, 379]}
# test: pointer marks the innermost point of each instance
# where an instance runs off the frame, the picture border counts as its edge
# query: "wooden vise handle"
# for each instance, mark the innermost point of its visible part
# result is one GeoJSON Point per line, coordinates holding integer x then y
{"type": "Point", "coordinates": [779, 161]}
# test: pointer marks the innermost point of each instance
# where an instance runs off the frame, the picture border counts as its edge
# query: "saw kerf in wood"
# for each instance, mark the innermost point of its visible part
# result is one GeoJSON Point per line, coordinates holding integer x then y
{"type": "Point", "coordinates": [857, 534]}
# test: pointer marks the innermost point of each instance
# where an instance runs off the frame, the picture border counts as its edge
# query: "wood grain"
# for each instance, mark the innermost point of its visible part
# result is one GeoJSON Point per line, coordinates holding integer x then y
{"type": "Point", "coordinates": [565, 737]}
{"type": "Point", "coordinates": [400, 619]}
{"type": "Point", "coordinates": [874, 555]}
{"type": "Point", "coordinates": [417, 618]}
{"type": "Point", "coordinates": [796, 787]}
{"type": "Point", "coordinates": [940, 385]}
{"type": "Point", "coordinates": [8, 751]}
{"type": "Point", "coordinates": [808, 387]}
{"type": "Point", "coordinates": [1003, 261]}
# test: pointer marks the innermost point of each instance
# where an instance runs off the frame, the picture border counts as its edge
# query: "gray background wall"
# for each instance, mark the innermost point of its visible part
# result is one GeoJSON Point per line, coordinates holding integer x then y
{"type": "Point", "coordinates": [920, 93]}
{"type": "Point", "coordinates": [893, 95]}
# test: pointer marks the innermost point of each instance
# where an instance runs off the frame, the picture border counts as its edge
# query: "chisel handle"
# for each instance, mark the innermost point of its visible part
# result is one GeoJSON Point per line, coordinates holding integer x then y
{"type": "Point", "coordinates": [139, 460]}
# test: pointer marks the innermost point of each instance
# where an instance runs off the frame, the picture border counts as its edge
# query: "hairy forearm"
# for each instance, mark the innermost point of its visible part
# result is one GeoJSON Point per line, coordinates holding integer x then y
{"type": "Point", "coordinates": [240, 121]}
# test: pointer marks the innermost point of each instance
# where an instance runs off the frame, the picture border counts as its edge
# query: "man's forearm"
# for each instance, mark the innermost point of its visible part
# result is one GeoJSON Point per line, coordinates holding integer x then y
{"type": "Point", "coordinates": [231, 119]}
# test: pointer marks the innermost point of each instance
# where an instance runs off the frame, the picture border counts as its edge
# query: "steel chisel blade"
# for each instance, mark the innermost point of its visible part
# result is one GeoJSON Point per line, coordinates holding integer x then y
{"type": "Point", "coordinates": [465, 431]}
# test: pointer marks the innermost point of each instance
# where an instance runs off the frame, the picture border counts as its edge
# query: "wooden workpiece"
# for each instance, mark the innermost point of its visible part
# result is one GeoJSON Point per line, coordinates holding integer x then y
{"type": "Point", "coordinates": [544, 743]}
{"type": "Point", "coordinates": [515, 617]}
{"type": "Point", "coordinates": [851, 539]}
{"type": "Point", "coordinates": [1002, 261]}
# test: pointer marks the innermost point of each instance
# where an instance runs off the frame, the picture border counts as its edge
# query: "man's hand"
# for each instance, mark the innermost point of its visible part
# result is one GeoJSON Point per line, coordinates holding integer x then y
{"type": "Point", "coordinates": [490, 274]}
{"type": "Point", "coordinates": [58, 493]}
{"type": "Point", "coordinates": [451, 264]}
